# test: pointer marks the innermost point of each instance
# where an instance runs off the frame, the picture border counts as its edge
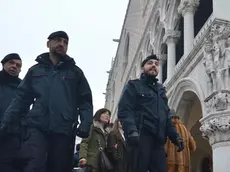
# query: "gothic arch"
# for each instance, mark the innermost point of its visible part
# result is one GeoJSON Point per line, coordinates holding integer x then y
{"type": "Point", "coordinates": [184, 85]}
{"type": "Point", "coordinates": [165, 6]}
{"type": "Point", "coordinates": [126, 48]}
{"type": "Point", "coordinates": [148, 44]}
{"type": "Point", "coordinates": [172, 13]}
{"type": "Point", "coordinates": [141, 56]}
{"type": "Point", "coordinates": [125, 58]}
{"type": "Point", "coordinates": [156, 23]}
{"type": "Point", "coordinates": [159, 42]}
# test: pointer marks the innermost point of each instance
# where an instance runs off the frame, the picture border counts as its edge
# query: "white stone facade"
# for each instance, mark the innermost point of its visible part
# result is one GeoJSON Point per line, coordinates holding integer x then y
{"type": "Point", "coordinates": [193, 38]}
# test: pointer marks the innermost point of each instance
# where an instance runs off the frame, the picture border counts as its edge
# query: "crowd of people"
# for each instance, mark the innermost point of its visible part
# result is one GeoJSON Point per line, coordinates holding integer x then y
{"type": "Point", "coordinates": [118, 151]}
{"type": "Point", "coordinates": [146, 137]}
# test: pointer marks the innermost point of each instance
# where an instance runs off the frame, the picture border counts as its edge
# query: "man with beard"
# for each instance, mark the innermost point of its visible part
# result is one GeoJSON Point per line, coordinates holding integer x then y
{"type": "Point", "coordinates": [9, 80]}
{"type": "Point", "coordinates": [145, 116]}
{"type": "Point", "coordinates": [60, 92]}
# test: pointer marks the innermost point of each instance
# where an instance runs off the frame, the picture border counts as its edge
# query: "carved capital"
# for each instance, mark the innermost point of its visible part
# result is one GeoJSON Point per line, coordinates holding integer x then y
{"type": "Point", "coordinates": [162, 58]}
{"type": "Point", "coordinates": [216, 129]}
{"type": "Point", "coordinates": [171, 35]}
{"type": "Point", "coordinates": [188, 6]}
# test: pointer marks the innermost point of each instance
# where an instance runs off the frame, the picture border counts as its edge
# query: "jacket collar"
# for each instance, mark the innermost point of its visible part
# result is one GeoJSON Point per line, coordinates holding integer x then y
{"type": "Point", "coordinates": [44, 59]}
{"type": "Point", "coordinates": [6, 78]}
{"type": "Point", "coordinates": [149, 80]}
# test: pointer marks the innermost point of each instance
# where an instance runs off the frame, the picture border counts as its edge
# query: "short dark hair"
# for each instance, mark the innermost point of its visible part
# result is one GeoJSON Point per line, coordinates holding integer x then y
{"type": "Point", "coordinates": [97, 115]}
{"type": "Point", "coordinates": [153, 56]}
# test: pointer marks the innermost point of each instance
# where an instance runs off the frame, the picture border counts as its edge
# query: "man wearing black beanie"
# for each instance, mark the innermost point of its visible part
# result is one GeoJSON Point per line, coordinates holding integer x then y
{"type": "Point", "coordinates": [9, 80]}
{"type": "Point", "coordinates": [60, 94]}
{"type": "Point", "coordinates": [145, 115]}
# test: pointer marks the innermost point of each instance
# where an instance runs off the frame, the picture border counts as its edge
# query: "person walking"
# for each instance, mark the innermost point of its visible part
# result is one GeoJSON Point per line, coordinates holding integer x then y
{"type": "Point", "coordinates": [59, 92]}
{"type": "Point", "coordinates": [144, 114]}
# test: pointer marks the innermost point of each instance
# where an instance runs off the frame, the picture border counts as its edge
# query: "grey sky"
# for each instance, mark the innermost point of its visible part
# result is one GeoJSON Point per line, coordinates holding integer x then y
{"type": "Point", "coordinates": [90, 24]}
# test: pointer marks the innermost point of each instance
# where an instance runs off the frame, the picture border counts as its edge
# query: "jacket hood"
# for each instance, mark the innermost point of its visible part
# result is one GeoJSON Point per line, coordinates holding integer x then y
{"type": "Point", "coordinates": [44, 59]}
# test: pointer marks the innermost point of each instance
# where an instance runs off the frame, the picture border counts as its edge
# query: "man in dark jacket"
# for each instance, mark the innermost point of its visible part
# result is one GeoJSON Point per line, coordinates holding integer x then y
{"type": "Point", "coordinates": [144, 112]}
{"type": "Point", "coordinates": [59, 91]}
{"type": "Point", "coordinates": [9, 80]}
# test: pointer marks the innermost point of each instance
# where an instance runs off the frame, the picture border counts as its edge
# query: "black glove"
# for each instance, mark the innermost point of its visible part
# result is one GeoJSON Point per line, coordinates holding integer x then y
{"type": "Point", "coordinates": [179, 144]}
{"type": "Point", "coordinates": [83, 131]}
{"type": "Point", "coordinates": [3, 131]}
{"type": "Point", "coordinates": [133, 139]}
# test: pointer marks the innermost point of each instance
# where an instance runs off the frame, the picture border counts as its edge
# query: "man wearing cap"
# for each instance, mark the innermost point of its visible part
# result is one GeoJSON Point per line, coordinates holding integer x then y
{"type": "Point", "coordinates": [144, 112]}
{"type": "Point", "coordinates": [181, 161]}
{"type": "Point", "coordinates": [9, 80]}
{"type": "Point", "coordinates": [60, 92]}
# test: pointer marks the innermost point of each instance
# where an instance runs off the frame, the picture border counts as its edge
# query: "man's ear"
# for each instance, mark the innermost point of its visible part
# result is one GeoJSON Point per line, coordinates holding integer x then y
{"type": "Point", "coordinates": [142, 69]}
{"type": "Point", "coordinates": [48, 44]}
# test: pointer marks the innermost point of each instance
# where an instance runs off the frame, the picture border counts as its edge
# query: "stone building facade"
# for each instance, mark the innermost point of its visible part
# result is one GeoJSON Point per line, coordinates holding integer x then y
{"type": "Point", "coordinates": [192, 40]}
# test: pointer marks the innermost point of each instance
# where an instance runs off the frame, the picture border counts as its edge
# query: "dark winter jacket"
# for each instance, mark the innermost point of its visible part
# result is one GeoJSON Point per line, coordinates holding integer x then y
{"type": "Point", "coordinates": [143, 104]}
{"type": "Point", "coordinates": [57, 92]}
{"type": "Point", "coordinates": [8, 87]}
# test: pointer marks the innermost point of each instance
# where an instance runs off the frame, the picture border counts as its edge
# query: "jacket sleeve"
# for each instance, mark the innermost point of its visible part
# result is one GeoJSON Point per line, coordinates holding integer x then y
{"type": "Point", "coordinates": [21, 103]}
{"type": "Point", "coordinates": [126, 108]}
{"type": "Point", "coordinates": [83, 149]}
{"type": "Point", "coordinates": [112, 151]}
{"type": "Point", "coordinates": [85, 104]}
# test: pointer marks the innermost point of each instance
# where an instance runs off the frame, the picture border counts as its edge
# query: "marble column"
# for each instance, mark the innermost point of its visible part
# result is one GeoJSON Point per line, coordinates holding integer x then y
{"type": "Point", "coordinates": [216, 128]}
{"type": "Point", "coordinates": [170, 39]}
{"type": "Point", "coordinates": [162, 59]}
{"type": "Point", "coordinates": [187, 9]}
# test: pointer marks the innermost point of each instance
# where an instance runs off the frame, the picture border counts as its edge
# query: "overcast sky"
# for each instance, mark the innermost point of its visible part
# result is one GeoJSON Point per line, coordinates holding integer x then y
{"type": "Point", "coordinates": [90, 24]}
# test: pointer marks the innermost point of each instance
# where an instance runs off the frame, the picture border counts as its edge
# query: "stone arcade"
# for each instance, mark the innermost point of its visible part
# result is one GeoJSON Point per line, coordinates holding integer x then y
{"type": "Point", "coordinates": [192, 40]}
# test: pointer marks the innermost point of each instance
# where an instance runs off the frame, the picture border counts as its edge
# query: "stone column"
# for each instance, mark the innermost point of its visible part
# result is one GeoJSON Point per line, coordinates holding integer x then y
{"type": "Point", "coordinates": [187, 9]}
{"type": "Point", "coordinates": [171, 38]}
{"type": "Point", "coordinates": [216, 128]}
{"type": "Point", "coordinates": [162, 59]}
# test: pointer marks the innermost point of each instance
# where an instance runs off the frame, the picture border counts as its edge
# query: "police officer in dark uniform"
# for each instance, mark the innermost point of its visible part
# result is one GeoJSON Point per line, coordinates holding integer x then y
{"type": "Point", "coordinates": [59, 92]}
{"type": "Point", "coordinates": [9, 80]}
{"type": "Point", "coordinates": [145, 116]}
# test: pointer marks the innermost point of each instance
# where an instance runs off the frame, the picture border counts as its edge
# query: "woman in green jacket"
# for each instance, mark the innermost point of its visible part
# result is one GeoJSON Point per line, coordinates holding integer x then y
{"type": "Point", "coordinates": [89, 147]}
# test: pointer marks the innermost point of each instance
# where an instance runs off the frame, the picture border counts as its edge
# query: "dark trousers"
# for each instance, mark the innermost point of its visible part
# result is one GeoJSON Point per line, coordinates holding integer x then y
{"type": "Point", "coordinates": [149, 156]}
{"type": "Point", "coordinates": [46, 152]}
{"type": "Point", "coordinates": [10, 154]}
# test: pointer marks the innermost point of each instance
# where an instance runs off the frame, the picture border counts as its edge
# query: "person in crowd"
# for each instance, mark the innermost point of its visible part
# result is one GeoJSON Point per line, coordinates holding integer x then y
{"type": "Point", "coordinates": [117, 148]}
{"type": "Point", "coordinates": [59, 92]}
{"type": "Point", "coordinates": [9, 80]}
{"type": "Point", "coordinates": [179, 162]}
{"type": "Point", "coordinates": [89, 147]}
{"type": "Point", "coordinates": [144, 114]}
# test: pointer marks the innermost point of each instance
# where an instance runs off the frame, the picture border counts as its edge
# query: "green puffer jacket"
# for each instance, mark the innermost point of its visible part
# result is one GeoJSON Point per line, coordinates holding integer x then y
{"type": "Point", "coordinates": [89, 147]}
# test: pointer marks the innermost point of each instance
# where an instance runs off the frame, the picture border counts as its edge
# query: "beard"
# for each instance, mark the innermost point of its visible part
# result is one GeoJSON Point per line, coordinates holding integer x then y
{"type": "Point", "coordinates": [151, 72]}
{"type": "Point", "coordinates": [58, 51]}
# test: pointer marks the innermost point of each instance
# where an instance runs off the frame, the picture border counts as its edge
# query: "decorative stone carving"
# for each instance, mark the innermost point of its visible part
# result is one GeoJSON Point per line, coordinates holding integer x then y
{"type": "Point", "coordinates": [162, 57]}
{"type": "Point", "coordinates": [217, 57]}
{"type": "Point", "coordinates": [171, 35]}
{"type": "Point", "coordinates": [218, 101]}
{"type": "Point", "coordinates": [216, 129]}
{"type": "Point", "coordinates": [188, 5]}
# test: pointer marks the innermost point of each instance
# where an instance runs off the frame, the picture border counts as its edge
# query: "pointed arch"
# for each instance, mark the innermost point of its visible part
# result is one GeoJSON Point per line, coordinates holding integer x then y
{"type": "Point", "coordinates": [184, 85]}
